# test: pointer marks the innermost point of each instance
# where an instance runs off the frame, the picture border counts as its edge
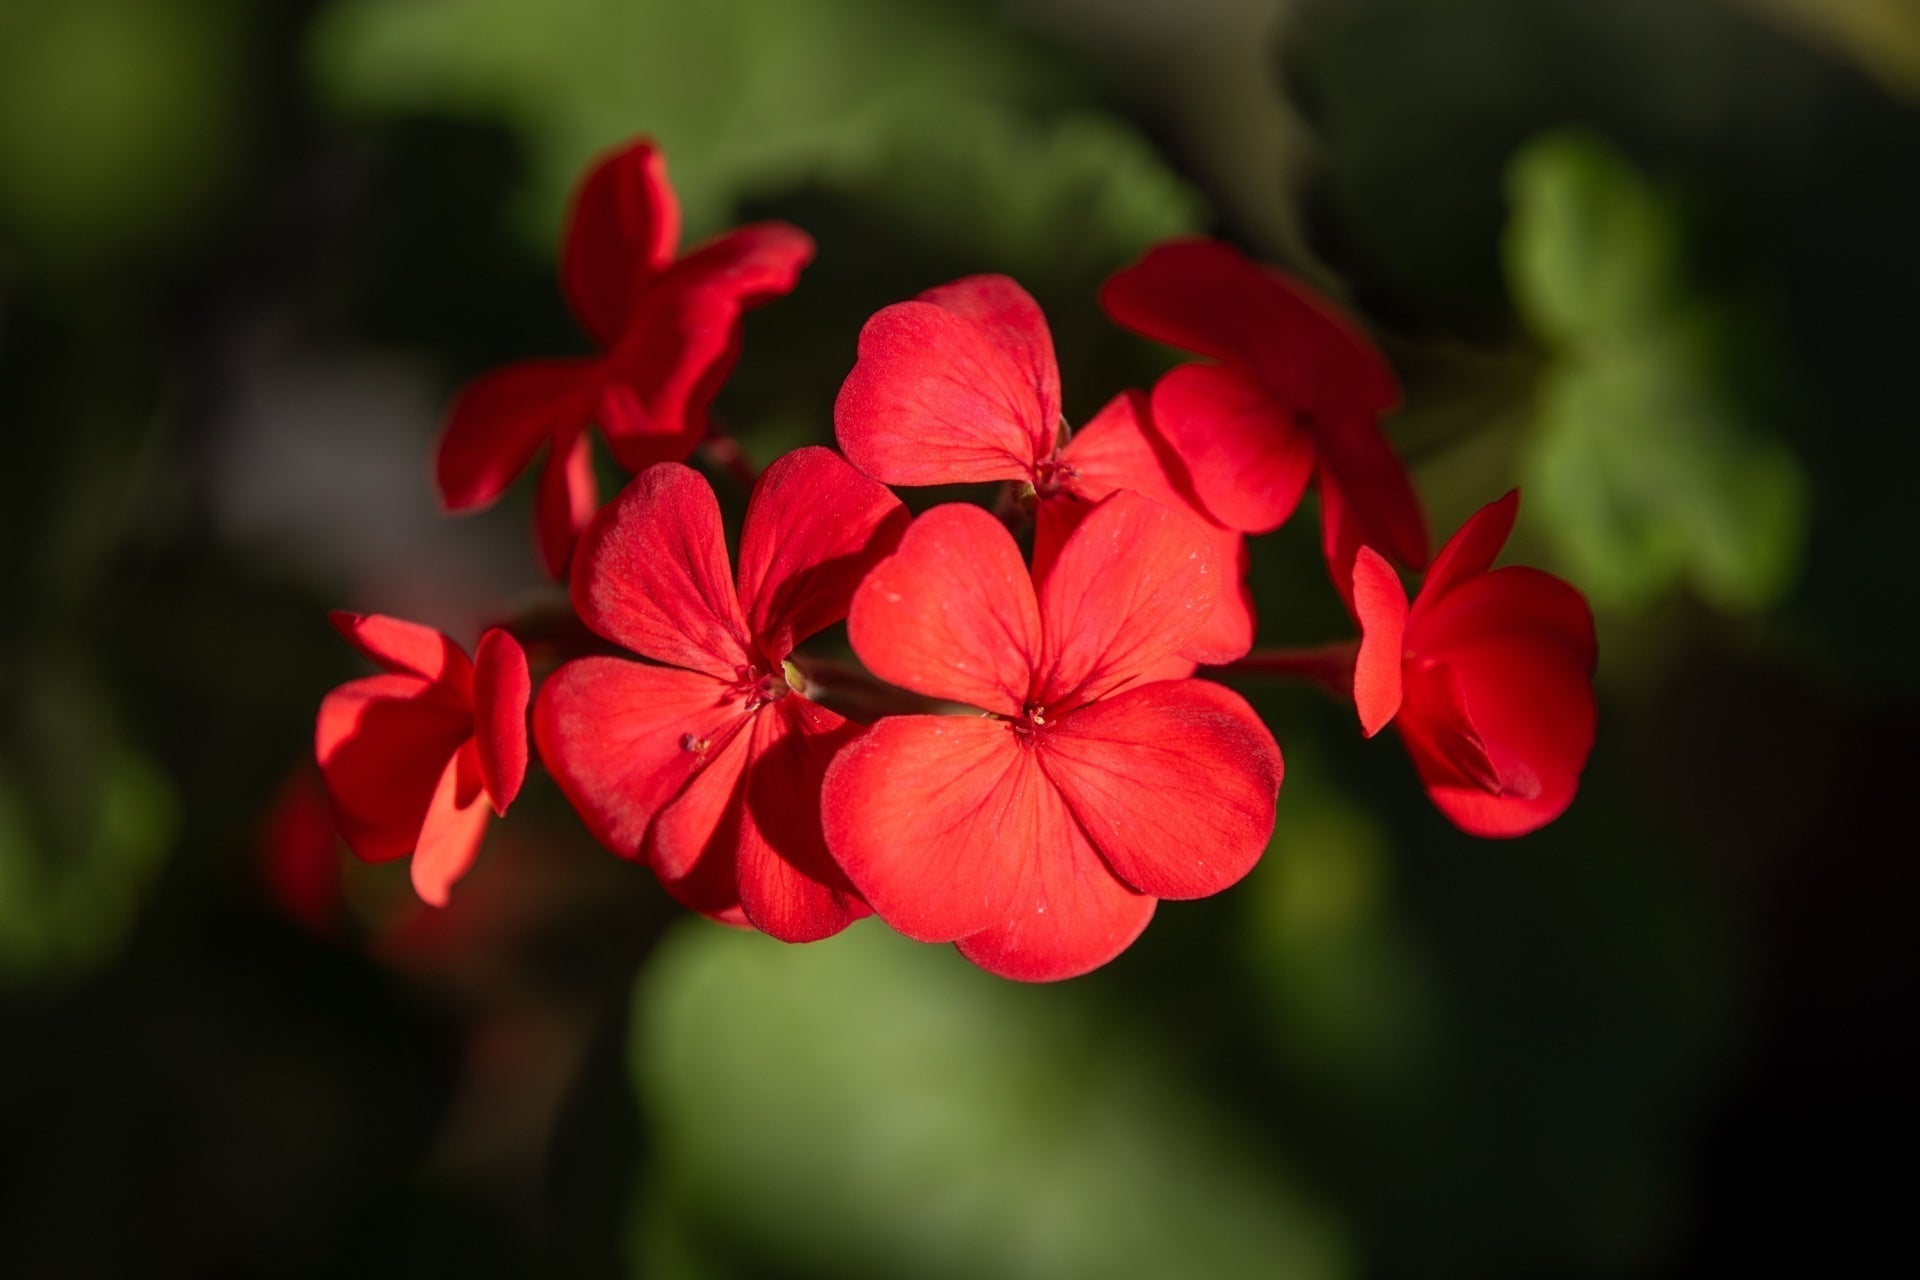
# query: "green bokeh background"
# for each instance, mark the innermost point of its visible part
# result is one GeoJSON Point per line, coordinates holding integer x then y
{"type": "Point", "coordinates": [1655, 261]}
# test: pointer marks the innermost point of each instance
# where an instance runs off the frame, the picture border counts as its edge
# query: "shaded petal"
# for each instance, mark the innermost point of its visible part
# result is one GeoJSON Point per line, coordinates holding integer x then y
{"type": "Point", "coordinates": [694, 846]}
{"type": "Point", "coordinates": [1228, 631]}
{"type": "Point", "coordinates": [935, 818]}
{"type": "Point", "coordinates": [1208, 297]}
{"type": "Point", "coordinates": [407, 648]}
{"type": "Point", "coordinates": [567, 498]}
{"type": "Point", "coordinates": [683, 339]}
{"type": "Point", "coordinates": [1014, 321]}
{"type": "Point", "coordinates": [622, 739]}
{"type": "Point", "coordinates": [455, 822]}
{"type": "Point", "coordinates": [790, 886]}
{"type": "Point", "coordinates": [621, 230]}
{"type": "Point", "coordinates": [500, 420]}
{"type": "Point", "coordinates": [951, 613]}
{"type": "Point", "coordinates": [939, 397]}
{"type": "Point", "coordinates": [814, 527]}
{"type": "Point", "coordinates": [1471, 550]}
{"type": "Point", "coordinates": [1249, 460]}
{"type": "Point", "coordinates": [1174, 668]}
{"type": "Point", "coordinates": [1175, 784]}
{"type": "Point", "coordinates": [1130, 586]}
{"type": "Point", "coordinates": [1121, 448]}
{"type": "Point", "coordinates": [1068, 916]}
{"type": "Point", "coordinates": [1511, 602]}
{"type": "Point", "coordinates": [382, 745]}
{"type": "Point", "coordinates": [1377, 506]}
{"type": "Point", "coordinates": [1380, 603]}
{"type": "Point", "coordinates": [1440, 734]}
{"type": "Point", "coordinates": [1533, 708]}
{"type": "Point", "coordinates": [502, 687]}
{"type": "Point", "coordinates": [652, 575]}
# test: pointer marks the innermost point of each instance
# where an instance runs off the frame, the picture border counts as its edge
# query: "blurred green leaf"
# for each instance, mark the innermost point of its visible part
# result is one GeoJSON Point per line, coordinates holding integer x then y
{"type": "Point", "coordinates": [1883, 36]}
{"type": "Point", "coordinates": [118, 118]}
{"type": "Point", "coordinates": [1352, 1007]}
{"type": "Point", "coordinates": [1593, 252]}
{"type": "Point", "coordinates": [78, 857]}
{"type": "Point", "coordinates": [1065, 200]}
{"type": "Point", "coordinates": [868, 1106]}
{"type": "Point", "coordinates": [1651, 464]}
{"type": "Point", "coordinates": [745, 95]}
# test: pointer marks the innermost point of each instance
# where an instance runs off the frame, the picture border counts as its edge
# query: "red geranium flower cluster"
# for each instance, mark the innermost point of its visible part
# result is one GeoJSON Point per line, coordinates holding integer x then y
{"type": "Point", "coordinates": [1023, 762]}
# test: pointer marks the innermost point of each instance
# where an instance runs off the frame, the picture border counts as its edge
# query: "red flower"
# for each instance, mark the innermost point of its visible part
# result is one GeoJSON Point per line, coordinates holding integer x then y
{"type": "Point", "coordinates": [1039, 836]}
{"type": "Point", "coordinates": [1489, 678]}
{"type": "Point", "coordinates": [410, 758]}
{"type": "Point", "coordinates": [1298, 390]}
{"type": "Point", "coordinates": [709, 766]}
{"type": "Point", "coordinates": [669, 334]}
{"type": "Point", "coordinates": [960, 386]}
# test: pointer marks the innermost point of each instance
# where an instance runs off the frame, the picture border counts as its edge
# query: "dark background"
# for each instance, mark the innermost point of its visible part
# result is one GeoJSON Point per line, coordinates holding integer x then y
{"type": "Point", "coordinates": [1654, 260]}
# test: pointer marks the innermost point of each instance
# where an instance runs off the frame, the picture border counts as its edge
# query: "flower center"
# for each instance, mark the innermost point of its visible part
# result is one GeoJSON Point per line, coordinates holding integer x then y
{"type": "Point", "coordinates": [759, 686]}
{"type": "Point", "coordinates": [1033, 718]}
{"type": "Point", "coordinates": [1051, 477]}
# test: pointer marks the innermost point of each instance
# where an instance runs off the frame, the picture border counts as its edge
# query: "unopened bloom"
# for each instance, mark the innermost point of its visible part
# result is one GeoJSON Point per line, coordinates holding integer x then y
{"type": "Point", "coordinates": [413, 759]}
{"type": "Point", "coordinates": [960, 385]}
{"type": "Point", "coordinates": [1298, 392]}
{"type": "Point", "coordinates": [708, 765]}
{"type": "Point", "coordinates": [1488, 677]}
{"type": "Point", "coordinates": [1039, 836]}
{"type": "Point", "coordinates": [668, 331]}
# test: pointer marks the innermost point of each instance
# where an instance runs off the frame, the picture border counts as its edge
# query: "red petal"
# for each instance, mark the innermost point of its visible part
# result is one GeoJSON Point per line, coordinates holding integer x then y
{"type": "Point", "coordinates": [1016, 325]}
{"type": "Point", "coordinates": [1121, 449]}
{"type": "Point", "coordinates": [790, 886]}
{"type": "Point", "coordinates": [499, 421]}
{"type": "Point", "coordinates": [1174, 783]}
{"type": "Point", "coordinates": [1471, 550]}
{"type": "Point", "coordinates": [1227, 634]}
{"type": "Point", "coordinates": [1377, 503]}
{"type": "Point", "coordinates": [567, 499]}
{"type": "Point", "coordinates": [1511, 602]}
{"type": "Point", "coordinates": [951, 613]}
{"type": "Point", "coordinates": [407, 648]}
{"type": "Point", "coordinates": [814, 527]}
{"type": "Point", "coordinates": [1068, 914]}
{"type": "Point", "coordinates": [1380, 603]}
{"type": "Point", "coordinates": [694, 845]}
{"type": "Point", "coordinates": [1174, 668]}
{"type": "Point", "coordinates": [1131, 585]}
{"type": "Point", "coordinates": [935, 819]}
{"type": "Point", "coordinates": [622, 739]}
{"type": "Point", "coordinates": [1444, 740]}
{"type": "Point", "coordinates": [1532, 706]}
{"type": "Point", "coordinates": [621, 230]}
{"type": "Point", "coordinates": [684, 336]}
{"type": "Point", "coordinates": [1250, 463]}
{"type": "Point", "coordinates": [743, 841]}
{"type": "Point", "coordinates": [652, 575]}
{"type": "Point", "coordinates": [502, 687]}
{"type": "Point", "coordinates": [382, 743]}
{"type": "Point", "coordinates": [1118, 451]}
{"type": "Point", "coordinates": [1208, 297]}
{"type": "Point", "coordinates": [450, 837]}
{"type": "Point", "coordinates": [952, 391]}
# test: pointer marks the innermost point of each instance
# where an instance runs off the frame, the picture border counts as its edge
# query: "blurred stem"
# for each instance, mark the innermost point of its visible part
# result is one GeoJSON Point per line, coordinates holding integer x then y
{"type": "Point", "coordinates": [552, 633]}
{"type": "Point", "coordinates": [1329, 666]}
{"type": "Point", "coordinates": [854, 691]}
